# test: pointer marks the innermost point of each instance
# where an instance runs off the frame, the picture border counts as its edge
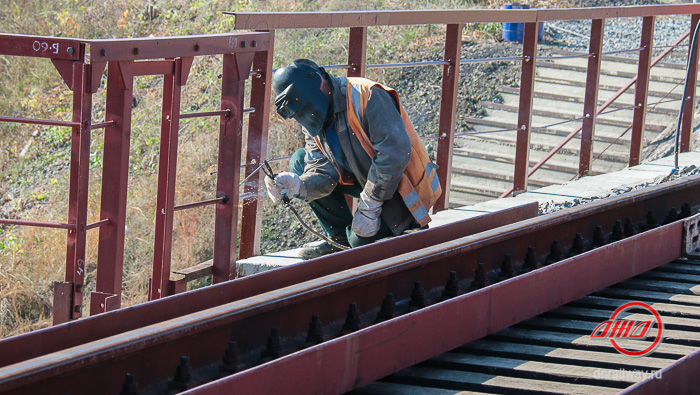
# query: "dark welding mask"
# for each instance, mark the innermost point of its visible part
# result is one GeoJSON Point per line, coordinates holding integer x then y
{"type": "Point", "coordinates": [299, 96]}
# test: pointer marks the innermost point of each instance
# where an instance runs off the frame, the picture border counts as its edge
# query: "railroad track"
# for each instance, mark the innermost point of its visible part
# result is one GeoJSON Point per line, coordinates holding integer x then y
{"type": "Point", "coordinates": [554, 353]}
{"type": "Point", "coordinates": [336, 323]}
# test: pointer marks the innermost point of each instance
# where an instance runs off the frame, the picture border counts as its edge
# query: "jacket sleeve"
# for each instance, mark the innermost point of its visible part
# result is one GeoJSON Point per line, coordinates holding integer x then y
{"type": "Point", "coordinates": [385, 128]}
{"type": "Point", "coordinates": [320, 176]}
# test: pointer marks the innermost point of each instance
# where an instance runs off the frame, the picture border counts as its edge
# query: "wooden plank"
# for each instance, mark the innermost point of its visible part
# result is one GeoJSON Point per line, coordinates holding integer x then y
{"type": "Point", "coordinates": [566, 355]}
{"type": "Point", "coordinates": [587, 327]}
{"type": "Point", "coordinates": [662, 308]}
{"type": "Point", "coordinates": [676, 267]}
{"type": "Point", "coordinates": [663, 286]}
{"type": "Point", "coordinates": [384, 388]}
{"type": "Point", "coordinates": [455, 379]}
{"type": "Point", "coordinates": [552, 372]}
{"type": "Point", "coordinates": [560, 339]}
{"type": "Point", "coordinates": [594, 314]}
{"type": "Point", "coordinates": [682, 278]}
{"type": "Point", "coordinates": [650, 296]}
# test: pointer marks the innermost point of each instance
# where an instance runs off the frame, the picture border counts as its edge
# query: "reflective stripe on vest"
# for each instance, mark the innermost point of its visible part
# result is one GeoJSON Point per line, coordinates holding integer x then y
{"type": "Point", "coordinates": [419, 186]}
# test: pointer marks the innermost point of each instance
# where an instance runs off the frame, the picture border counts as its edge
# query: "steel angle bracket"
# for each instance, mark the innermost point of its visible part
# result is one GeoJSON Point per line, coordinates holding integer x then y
{"type": "Point", "coordinates": [691, 236]}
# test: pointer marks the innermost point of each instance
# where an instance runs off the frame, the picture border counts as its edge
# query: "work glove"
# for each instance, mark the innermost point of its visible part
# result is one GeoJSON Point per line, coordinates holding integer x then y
{"type": "Point", "coordinates": [366, 221]}
{"type": "Point", "coordinates": [284, 184]}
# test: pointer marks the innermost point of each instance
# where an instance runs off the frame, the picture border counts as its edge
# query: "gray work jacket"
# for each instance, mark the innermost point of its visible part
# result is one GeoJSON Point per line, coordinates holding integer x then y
{"type": "Point", "coordinates": [378, 176]}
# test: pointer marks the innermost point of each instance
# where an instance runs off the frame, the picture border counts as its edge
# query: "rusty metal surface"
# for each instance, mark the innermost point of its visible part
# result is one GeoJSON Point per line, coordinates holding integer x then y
{"type": "Point", "coordinates": [360, 358]}
{"type": "Point", "coordinates": [151, 352]}
{"type": "Point", "coordinates": [31, 345]}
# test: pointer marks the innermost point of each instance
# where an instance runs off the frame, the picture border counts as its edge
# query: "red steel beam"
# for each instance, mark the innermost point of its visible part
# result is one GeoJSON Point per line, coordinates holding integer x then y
{"type": "Point", "coordinates": [76, 239]}
{"type": "Point", "coordinates": [172, 47]}
{"type": "Point", "coordinates": [335, 19]}
{"type": "Point", "coordinates": [678, 378]}
{"type": "Point", "coordinates": [590, 100]}
{"type": "Point", "coordinates": [167, 169]}
{"type": "Point", "coordinates": [41, 47]}
{"type": "Point", "coordinates": [640, 91]}
{"type": "Point", "coordinates": [151, 352]}
{"type": "Point", "coordinates": [47, 340]}
{"type": "Point", "coordinates": [689, 96]}
{"type": "Point", "coordinates": [236, 69]}
{"type": "Point", "coordinates": [357, 51]}
{"type": "Point", "coordinates": [115, 174]}
{"type": "Point", "coordinates": [527, 89]}
{"type": "Point", "coordinates": [448, 112]}
{"type": "Point", "coordinates": [252, 212]}
{"type": "Point", "coordinates": [370, 354]}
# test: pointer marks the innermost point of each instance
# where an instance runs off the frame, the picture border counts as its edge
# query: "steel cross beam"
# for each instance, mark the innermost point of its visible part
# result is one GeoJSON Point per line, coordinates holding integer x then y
{"type": "Point", "coordinates": [152, 352]}
{"type": "Point", "coordinates": [48, 340]}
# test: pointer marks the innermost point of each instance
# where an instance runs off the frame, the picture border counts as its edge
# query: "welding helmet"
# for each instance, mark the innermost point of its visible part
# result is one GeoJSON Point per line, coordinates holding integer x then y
{"type": "Point", "coordinates": [299, 96]}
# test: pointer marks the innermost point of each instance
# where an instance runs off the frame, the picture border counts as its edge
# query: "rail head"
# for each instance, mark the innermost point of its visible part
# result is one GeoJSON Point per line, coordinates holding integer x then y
{"type": "Point", "coordinates": [345, 19]}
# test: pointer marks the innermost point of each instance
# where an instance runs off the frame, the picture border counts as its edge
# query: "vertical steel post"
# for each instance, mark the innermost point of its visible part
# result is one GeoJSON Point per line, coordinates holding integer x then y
{"type": "Point", "coordinates": [167, 169]}
{"type": "Point", "coordinates": [448, 111]}
{"type": "Point", "coordinates": [689, 95]}
{"type": "Point", "coordinates": [590, 101]}
{"type": "Point", "coordinates": [251, 215]}
{"type": "Point", "coordinates": [236, 69]}
{"type": "Point", "coordinates": [357, 51]}
{"type": "Point", "coordinates": [115, 174]}
{"type": "Point", "coordinates": [357, 58]}
{"type": "Point", "coordinates": [641, 89]}
{"type": "Point", "coordinates": [77, 199]}
{"type": "Point", "coordinates": [527, 87]}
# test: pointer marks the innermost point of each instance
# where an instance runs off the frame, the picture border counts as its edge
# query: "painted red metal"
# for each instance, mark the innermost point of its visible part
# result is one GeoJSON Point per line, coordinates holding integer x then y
{"type": "Point", "coordinates": [115, 172]}
{"type": "Point", "coordinates": [370, 354]}
{"type": "Point", "coordinates": [601, 108]}
{"type": "Point", "coordinates": [448, 111]}
{"type": "Point", "coordinates": [34, 121]}
{"type": "Point", "coordinates": [678, 378]}
{"type": "Point", "coordinates": [78, 191]}
{"type": "Point", "coordinates": [40, 224]}
{"type": "Point", "coordinates": [689, 94]}
{"type": "Point", "coordinates": [236, 69]}
{"type": "Point", "coordinates": [357, 51]}
{"type": "Point", "coordinates": [527, 89]}
{"type": "Point", "coordinates": [640, 91]}
{"type": "Point", "coordinates": [251, 214]}
{"type": "Point", "coordinates": [590, 100]}
{"type": "Point", "coordinates": [173, 47]}
{"type": "Point", "coordinates": [167, 169]}
{"type": "Point", "coordinates": [41, 47]}
{"type": "Point", "coordinates": [94, 328]}
{"type": "Point", "coordinates": [149, 351]}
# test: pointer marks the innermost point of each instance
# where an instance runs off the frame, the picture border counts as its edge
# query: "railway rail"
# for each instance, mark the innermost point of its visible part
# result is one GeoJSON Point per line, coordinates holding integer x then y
{"type": "Point", "coordinates": [364, 319]}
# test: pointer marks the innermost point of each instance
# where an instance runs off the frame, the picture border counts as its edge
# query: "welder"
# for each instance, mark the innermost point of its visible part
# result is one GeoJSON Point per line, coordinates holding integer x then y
{"type": "Point", "coordinates": [358, 142]}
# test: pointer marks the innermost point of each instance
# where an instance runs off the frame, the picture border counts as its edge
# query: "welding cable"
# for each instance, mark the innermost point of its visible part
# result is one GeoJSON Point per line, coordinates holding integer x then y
{"type": "Point", "coordinates": [267, 169]}
{"type": "Point", "coordinates": [693, 50]}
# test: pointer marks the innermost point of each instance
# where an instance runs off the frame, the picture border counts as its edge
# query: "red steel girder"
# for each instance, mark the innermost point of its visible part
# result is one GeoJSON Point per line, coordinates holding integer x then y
{"type": "Point", "coordinates": [34, 344]}
{"type": "Point", "coordinates": [370, 354]}
{"type": "Point", "coordinates": [152, 352]}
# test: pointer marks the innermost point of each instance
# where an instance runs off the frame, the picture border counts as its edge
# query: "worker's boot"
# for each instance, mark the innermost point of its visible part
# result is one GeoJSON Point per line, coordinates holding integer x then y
{"type": "Point", "coordinates": [317, 249]}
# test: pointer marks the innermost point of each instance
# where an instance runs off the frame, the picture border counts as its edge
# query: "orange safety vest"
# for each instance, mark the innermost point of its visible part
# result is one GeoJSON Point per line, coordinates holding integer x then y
{"type": "Point", "coordinates": [419, 186]}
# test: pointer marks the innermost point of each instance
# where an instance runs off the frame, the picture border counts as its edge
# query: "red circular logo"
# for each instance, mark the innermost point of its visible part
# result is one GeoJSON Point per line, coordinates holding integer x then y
{"type": "Point", "coordinates": [617, 329]}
